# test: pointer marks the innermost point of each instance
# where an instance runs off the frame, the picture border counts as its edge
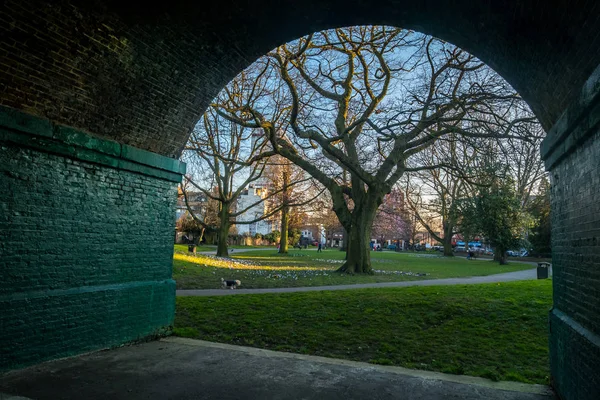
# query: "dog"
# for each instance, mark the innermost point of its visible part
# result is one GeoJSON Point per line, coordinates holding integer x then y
{"type": "Point", "coordinates": [230, 284]}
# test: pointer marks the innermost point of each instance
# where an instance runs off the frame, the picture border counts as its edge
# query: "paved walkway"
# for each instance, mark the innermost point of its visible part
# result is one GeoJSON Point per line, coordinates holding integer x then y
{"type": "Point", "coordinates": [528, 274]}
{"type": "Point", "coordinates": [178, 368]}
{"type": "Point", "coordinates": [232, 252]}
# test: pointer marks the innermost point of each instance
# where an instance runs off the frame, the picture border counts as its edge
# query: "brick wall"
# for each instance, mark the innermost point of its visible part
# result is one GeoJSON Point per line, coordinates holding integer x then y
{"type": "Point", "coordinates": [572, 153]}
{"type": "Point", "coordinates": [575, 321]}
{"type": "Point", "coordinates": [142, 74]}
{"type": "Point", "coordinates": [576, 234]}
{"type": "Point", "coordinates": [82, 66]}
{"type": "Point", "coordinates": [85, 248]}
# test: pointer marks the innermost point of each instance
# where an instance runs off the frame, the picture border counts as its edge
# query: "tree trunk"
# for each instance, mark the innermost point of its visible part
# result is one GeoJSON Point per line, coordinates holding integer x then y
{"type": "Point", "coordinates": [447, 242]}
{"type": "Point", "coordinates": [283, 241]}
{"type": "Point", "coordinates": [358, 251]}
{"type": "Point", "coordinates": [500, 255]}
{"type": "Point", "coordinates": [345, 238]}
{"type": "Point", "coordinates": [448, 248]}
{"type": "Point", "coordinates": [224, 226]}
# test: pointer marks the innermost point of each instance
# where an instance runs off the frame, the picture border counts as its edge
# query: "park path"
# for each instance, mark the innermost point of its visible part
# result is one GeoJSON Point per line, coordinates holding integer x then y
{"type": "Point", "coordinates": [233, 252]}
{"type": "Point", "coordinates": [524, 275]}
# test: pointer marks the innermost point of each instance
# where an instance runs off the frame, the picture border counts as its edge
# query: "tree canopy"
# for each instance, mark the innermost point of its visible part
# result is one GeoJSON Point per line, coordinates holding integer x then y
{"type": "Point", "coordinates": [356, 107]}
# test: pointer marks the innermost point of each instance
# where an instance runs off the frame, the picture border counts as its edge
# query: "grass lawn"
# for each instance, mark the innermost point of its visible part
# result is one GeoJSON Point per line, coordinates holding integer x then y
{"type": "Point", "coordinates": [267, 268]}
{"type": "Point", "coordinates": [496, 331]}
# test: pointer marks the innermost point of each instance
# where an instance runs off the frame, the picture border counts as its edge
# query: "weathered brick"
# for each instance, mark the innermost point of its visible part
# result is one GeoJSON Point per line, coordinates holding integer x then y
{"type": "Point", "coordinates": [85, 255]}
{"type": "Point", "coordinates": [572, 151]}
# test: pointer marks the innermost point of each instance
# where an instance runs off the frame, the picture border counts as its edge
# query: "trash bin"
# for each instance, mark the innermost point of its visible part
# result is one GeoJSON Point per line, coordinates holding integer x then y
{"type": "Point", "coordinates": [542, 270]}
{"type": "Point", "coordinates": [192, 248]}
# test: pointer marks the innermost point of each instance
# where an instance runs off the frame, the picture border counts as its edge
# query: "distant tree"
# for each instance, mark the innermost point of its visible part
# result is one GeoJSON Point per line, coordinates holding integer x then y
{"type": "Point", "coordinates": [496, 213]}
{"type": "Point", "coordinates": [325, 216]}
{"type": "Point", "coordinates": [272, 237]}
{"type": "Point", "coordinates": [391, 220]}
{"type": "Point", "coordinates": [294, 235]}
{"type": "Point", "coordinates": [294, 190]}
{"type": "Point", "coordinates": [541, 231]}
{"type": "Point", "coordinates": [187, 224]}
{"type": "Point", "coordinates": [276, 236]}
{"type": "Point", "coordinates": [219, 160]}
{"type": "Point", "coordinates": [523, 162]}
{"type": "Point", "coordinates": [435, 194]}
{"type": "Point", "coordinates": [201, 214]}
{"type": "Point", "coordinates": [438, 216]}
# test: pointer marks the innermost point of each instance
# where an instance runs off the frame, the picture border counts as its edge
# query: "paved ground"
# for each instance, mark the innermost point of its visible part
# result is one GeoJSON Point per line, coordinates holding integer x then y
{"type": "Point", "coordinates": [506, 277]}
{"type": "Point", "coordinates": [233, 251]}
{"type": "Point", "coordinates": [178, 368]}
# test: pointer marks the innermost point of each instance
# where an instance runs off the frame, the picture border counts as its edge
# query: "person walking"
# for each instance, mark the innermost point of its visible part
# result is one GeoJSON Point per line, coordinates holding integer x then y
{"type": "Point", "coordinates": [319, 248]}
{"type": "Point", "coordinates": [471, 255]}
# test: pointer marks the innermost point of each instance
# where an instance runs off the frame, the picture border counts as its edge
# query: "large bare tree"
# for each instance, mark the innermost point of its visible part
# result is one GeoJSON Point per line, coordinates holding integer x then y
{"type": "Point", "coordinates": [364, 100]}
{"type": "Point", "coordinates": [225, 158]}
{"type": "Point", "coordinates": [220, 159]}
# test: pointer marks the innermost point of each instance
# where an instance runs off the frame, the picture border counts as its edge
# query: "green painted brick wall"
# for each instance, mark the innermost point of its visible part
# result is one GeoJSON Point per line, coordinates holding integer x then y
{"type": "Point", "coordinates": [574, 355]}
{"type": "Point", "coordinates": [85, 256]}
{"type": "Point", "coordinates": [63, 324]}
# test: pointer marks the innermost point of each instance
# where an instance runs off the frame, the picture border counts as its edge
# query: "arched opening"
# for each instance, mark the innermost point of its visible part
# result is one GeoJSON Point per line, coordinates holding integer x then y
{"type": "Point", "coordinates": [95, 94]}
{"type": "Point", "coordinates": [364, 114]}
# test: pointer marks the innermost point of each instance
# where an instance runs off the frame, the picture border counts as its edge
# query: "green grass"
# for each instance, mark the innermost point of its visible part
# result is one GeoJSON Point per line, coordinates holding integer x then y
{"type": "Point", "coordinates": [268, 269]}
{"type": "Point", "coordinates": [496, 331]}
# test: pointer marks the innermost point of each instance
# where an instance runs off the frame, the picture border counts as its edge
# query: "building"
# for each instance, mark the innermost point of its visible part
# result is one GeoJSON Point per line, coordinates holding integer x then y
{"type": "Point", "coordinates": [250, 202]}
{"type": "Point", "coordinates": [335, 239]}
{"type": "Point", "coordinates": [307, 233]}
{"type": "Point", "coordinates": [197, 201]}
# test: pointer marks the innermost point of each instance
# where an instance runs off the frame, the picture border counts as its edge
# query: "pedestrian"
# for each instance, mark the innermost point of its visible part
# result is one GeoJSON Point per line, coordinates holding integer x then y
{"type": "Point", "coordinates": [319, 248]}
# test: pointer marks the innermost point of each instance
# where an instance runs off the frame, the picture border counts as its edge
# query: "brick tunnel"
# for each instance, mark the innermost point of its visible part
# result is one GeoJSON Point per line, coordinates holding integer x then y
{"type": "Point", "coordinates": [98, 99]}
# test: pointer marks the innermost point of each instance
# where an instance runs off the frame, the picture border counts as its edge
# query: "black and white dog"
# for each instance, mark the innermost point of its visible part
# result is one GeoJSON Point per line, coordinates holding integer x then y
{"type": "Point", "coordinates": [230, 284]}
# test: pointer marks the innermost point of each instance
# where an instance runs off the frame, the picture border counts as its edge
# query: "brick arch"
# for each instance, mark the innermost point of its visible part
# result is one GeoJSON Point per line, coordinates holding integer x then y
{"type": "Point", "coordinates": [142, 73]}
{"type": "Point", "coordinates": [76, 209]}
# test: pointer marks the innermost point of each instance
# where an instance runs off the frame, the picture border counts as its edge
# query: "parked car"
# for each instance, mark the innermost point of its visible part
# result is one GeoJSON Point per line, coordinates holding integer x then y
{"type": "Point", "coordinates": [391, 247]}
{"type": "Point", "coordinates": [460, 249]}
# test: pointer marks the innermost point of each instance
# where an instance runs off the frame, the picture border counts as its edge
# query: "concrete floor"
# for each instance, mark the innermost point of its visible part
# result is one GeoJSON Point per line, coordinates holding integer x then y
{"type": "Point", "coordinates": [178, 368]}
